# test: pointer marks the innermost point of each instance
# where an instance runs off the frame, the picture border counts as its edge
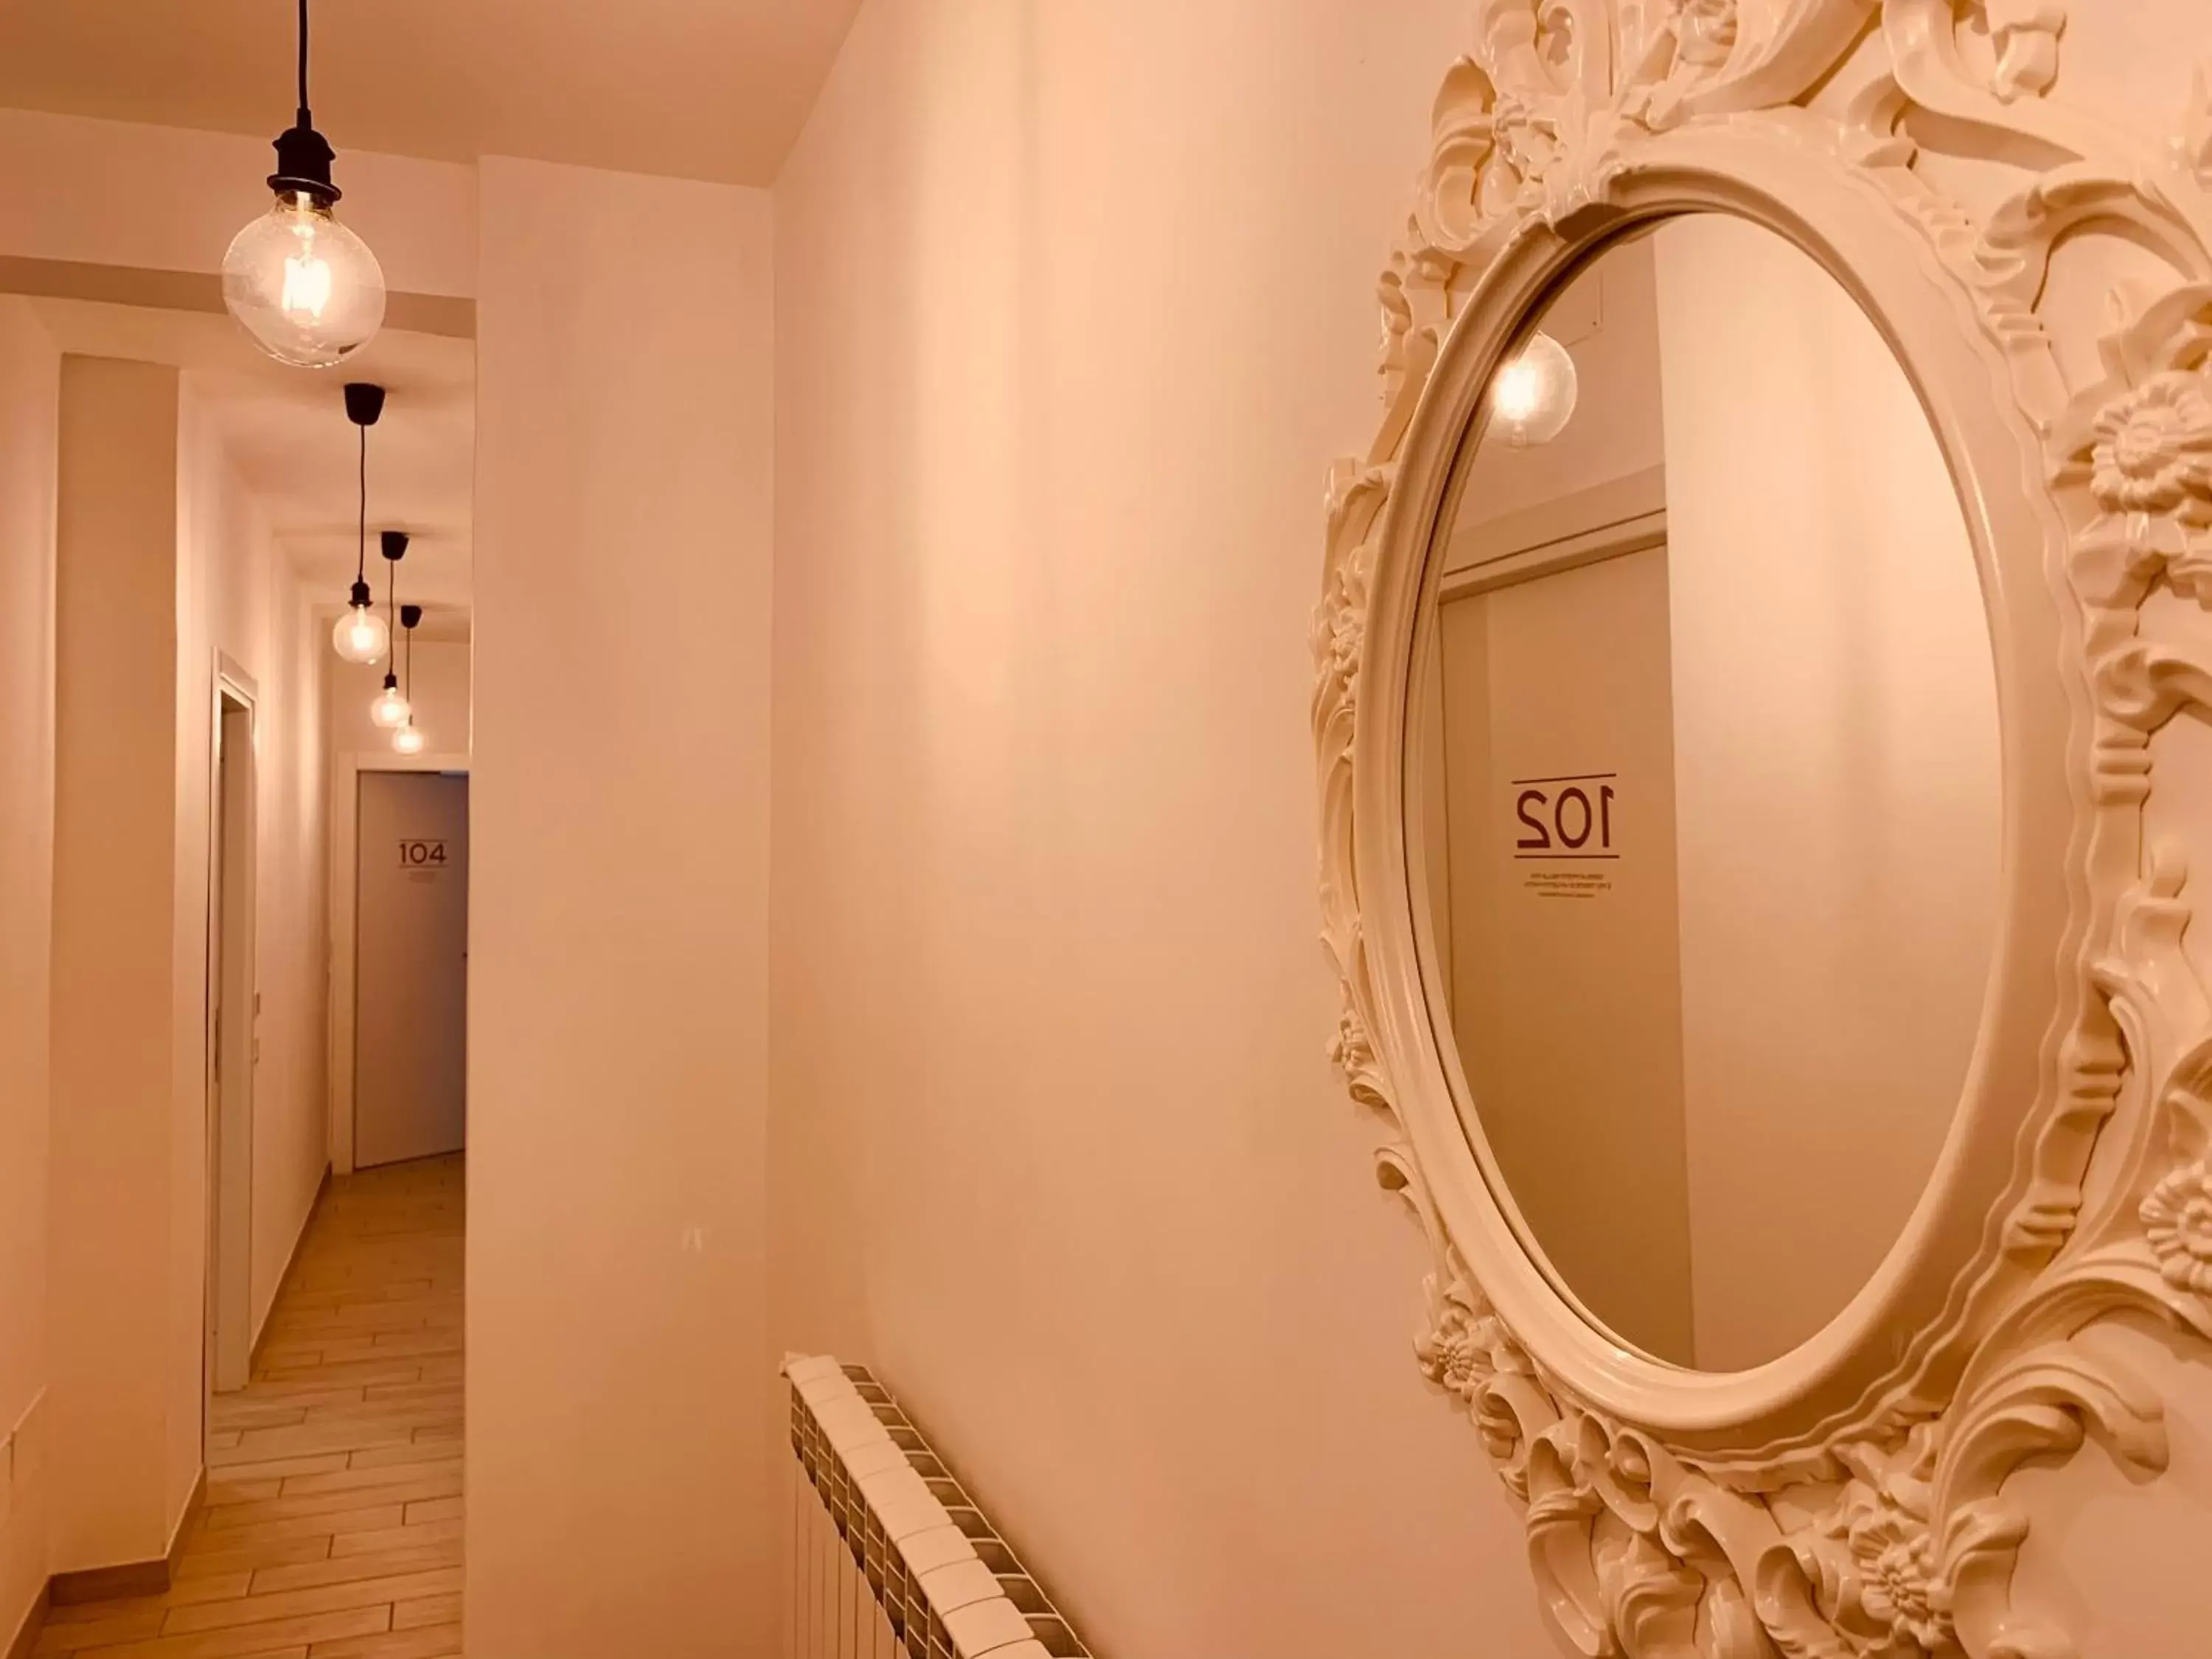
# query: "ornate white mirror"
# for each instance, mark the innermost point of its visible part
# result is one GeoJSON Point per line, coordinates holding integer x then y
{"type": "Point", "coordinates": [1764, 674]}
{"type": "Point", "coordinates": [1703, 792]}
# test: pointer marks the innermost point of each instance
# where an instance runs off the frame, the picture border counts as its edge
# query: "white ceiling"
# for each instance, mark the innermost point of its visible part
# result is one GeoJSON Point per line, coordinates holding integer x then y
{"type": "Point", "coordinates": [698, 88]}
{"type": "Point", "coordinates": [288, 434]}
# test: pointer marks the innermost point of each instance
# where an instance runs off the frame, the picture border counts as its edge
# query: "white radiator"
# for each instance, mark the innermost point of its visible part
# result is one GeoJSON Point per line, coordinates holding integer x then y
{"type": "Point", "coordinates": [891, 1558]}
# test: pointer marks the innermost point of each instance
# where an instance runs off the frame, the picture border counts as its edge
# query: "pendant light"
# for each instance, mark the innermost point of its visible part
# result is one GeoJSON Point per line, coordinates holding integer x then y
{"type": "Point", "coordinates": [305, 288]}
{"type": "Point", "coordinates": [408, 739]}
{"type": "Point", "coordinates": [1533, 398]}
{"type": "Point", "coordinates": [361, 635]}
{"type": "Point", "coordinates": [389, 710]}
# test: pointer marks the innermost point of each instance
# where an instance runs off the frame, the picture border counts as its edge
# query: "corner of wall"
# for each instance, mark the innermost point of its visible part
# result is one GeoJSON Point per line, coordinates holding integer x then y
{"type": "Point", "coordinates": [30, 407]}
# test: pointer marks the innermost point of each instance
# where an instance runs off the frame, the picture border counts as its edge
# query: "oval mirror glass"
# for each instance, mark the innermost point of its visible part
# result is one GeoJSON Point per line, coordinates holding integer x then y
{"type": "Point", "coordinates": [1704, 793]}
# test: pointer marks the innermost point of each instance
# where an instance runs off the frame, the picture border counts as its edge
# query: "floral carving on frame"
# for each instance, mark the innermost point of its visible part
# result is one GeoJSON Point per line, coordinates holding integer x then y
{"type": "Point", "coordinates": [1796, 1515]}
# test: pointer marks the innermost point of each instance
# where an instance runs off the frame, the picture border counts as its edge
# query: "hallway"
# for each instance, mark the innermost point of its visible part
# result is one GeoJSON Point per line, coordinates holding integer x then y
{"type": "Point", "coordinates": [332, 1529]}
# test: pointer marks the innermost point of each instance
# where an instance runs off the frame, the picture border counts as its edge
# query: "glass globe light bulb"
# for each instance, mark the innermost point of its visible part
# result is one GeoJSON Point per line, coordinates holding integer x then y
{"type": "Point", "coordinates": [389, 710]}
{"type": "Point", "coordinates": [361, 635]}
{"type": "Point", "coordinates": [305, 288]}
{"type": "Point", "coordinates": [407, 740]}
{"type": "Point", "coordinates": [1533, 398]}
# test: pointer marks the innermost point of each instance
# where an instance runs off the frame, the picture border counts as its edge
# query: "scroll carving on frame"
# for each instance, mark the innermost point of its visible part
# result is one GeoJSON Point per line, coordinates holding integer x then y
{"type": "Point", "coordinates": [1852, 1504]}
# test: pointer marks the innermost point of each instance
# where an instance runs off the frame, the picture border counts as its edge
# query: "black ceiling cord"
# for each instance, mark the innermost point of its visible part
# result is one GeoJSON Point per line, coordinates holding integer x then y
{"type": "Point", "coordinates": [410, 617]}
{"type": "Point", "coordinates": [395, 548]}
{"type": "Point", "coordinates": [364, 404]}
{"type": "Point", "coordinates": [307, 117]}
{"type": "Point", "coordinates": [304, 156]}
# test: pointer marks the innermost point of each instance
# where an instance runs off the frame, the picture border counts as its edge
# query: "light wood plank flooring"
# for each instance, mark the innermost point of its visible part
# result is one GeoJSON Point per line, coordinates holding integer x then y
{"type": "Point", "coordinates": [332, 1529]}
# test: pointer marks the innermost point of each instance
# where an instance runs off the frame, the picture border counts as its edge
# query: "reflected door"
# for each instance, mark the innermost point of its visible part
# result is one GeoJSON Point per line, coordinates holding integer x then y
{"type": "Point", "coordinates": [411, 978]}
{"type": "Point", "coordinates": [1559, 754]}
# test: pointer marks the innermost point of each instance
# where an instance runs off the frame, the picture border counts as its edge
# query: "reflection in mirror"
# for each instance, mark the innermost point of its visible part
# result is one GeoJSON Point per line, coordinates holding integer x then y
{"type": "Point", "coordinates": [1704, 788]}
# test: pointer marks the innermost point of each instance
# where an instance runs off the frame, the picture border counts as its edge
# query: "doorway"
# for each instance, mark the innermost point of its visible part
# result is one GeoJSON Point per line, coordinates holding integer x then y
{"type": "Point", "coordinates": [410, 967]}
{"type": "Point", "coordinates": [233, 1044]}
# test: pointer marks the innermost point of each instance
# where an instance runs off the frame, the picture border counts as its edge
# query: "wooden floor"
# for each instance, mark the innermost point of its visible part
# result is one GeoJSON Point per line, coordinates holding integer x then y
{"type": "Point", "coordinates": [332, 1529]}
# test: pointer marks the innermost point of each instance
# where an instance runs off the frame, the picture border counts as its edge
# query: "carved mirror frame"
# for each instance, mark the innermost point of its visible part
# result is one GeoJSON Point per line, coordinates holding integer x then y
{"type": "Point", "coordinates": [2043, 272]}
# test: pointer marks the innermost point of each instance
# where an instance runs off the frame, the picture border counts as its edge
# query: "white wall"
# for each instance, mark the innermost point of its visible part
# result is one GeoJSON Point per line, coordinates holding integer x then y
{"type": "Point", "coordinates": [123, 1419]}
{"type": "Point", "coordinates": [165, 562]}
{"type": "Point", "coordinates": [238, 595]}
{"type": "Point", "coordinates": [441, 699]}
{"type": "Point", "coordinates": [60, 177]}
{"type": "Point", "coordinates": [618, 1372]}
{"type": "Point", "coordinates": [30, 391]}
{"type": "Point", "coordinates": [1837, 767]}
{"type": "Point", "coordinates": [291, 1128]}
{"type": "Point", "coordinates": [1076, 302]}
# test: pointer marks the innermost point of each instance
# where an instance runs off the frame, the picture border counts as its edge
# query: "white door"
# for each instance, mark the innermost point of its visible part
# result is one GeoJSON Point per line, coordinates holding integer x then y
{"type": "Point", "coordinates": [1558, 739]}
{"type": "Point", "coordinates": [411, 968]}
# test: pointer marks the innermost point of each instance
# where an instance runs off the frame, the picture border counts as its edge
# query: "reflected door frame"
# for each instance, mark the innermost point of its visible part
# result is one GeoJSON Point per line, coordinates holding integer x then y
{"type": "Point", "coordinates": [346, 772]}
{"type": "Point", "coordinates": [231, 1018]}
{"type": "Point", "coordinates": [1608, 520]}
{"type": "Point", "coordinates": [1613, 519]}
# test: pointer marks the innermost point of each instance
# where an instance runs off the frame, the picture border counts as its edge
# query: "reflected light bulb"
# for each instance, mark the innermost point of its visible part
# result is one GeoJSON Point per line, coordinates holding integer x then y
{"type": "Point", "coordinates": [407, 740]}
{"type": "Point", "coordinates": [305, 288]}
{"type": "Point", "coordinates": [1533, 398]}
{"type": "Point", "coordinates": [361, 635]}
{"type": "Point", "coordinates": [389, 710]}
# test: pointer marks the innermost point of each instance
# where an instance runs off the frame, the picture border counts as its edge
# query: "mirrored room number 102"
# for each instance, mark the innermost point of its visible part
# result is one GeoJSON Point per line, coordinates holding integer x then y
{"type": "Point", "coordinates": [1565, 816]}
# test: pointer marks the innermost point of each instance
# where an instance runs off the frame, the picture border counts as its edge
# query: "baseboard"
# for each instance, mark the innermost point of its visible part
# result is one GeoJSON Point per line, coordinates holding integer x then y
{"type": "Point", "coordinates": [125, 1583]}
{"type": "Point", "coordinates": [193, 1506]}
{"type": "Point", "coordinates": [136, 1578]}
{"type": "Point", "coordinates": [26, 1636]}
{"type": "Point", "coordinates": [133, 1579]}
{"type": "Point", "coordinates": [291, 1266]}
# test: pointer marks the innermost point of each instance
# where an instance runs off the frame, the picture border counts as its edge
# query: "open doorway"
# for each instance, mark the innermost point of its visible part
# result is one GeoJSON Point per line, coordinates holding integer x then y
{"type": "Point", "coordinates": [233, 1042]}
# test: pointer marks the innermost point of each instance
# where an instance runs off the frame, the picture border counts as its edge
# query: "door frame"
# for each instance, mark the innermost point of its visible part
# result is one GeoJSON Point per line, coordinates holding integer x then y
{"type": "Point", "coordinates": [232, 989]}
{"type": "Point", "coordinates": [345, 896]}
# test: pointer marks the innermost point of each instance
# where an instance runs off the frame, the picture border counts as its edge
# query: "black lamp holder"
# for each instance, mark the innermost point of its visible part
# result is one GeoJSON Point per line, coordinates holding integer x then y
{"type": "Point", "coordinates": [304, 156]}
{"type": "Point", "coordinates": [364, 402]}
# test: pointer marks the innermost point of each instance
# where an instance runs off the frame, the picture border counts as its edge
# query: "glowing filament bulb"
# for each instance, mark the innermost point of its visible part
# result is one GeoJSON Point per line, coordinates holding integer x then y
{"type": "Point", "coordinates": [389, 710]}
{"type": "Point", "coordinates": [306, 285]}
{"type": "Point", "coordinates": [305, 288]}
{"type": "Point", "coordinates": [1533, 396]}
{"type": "Point", "coordinates": [361, 635]}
